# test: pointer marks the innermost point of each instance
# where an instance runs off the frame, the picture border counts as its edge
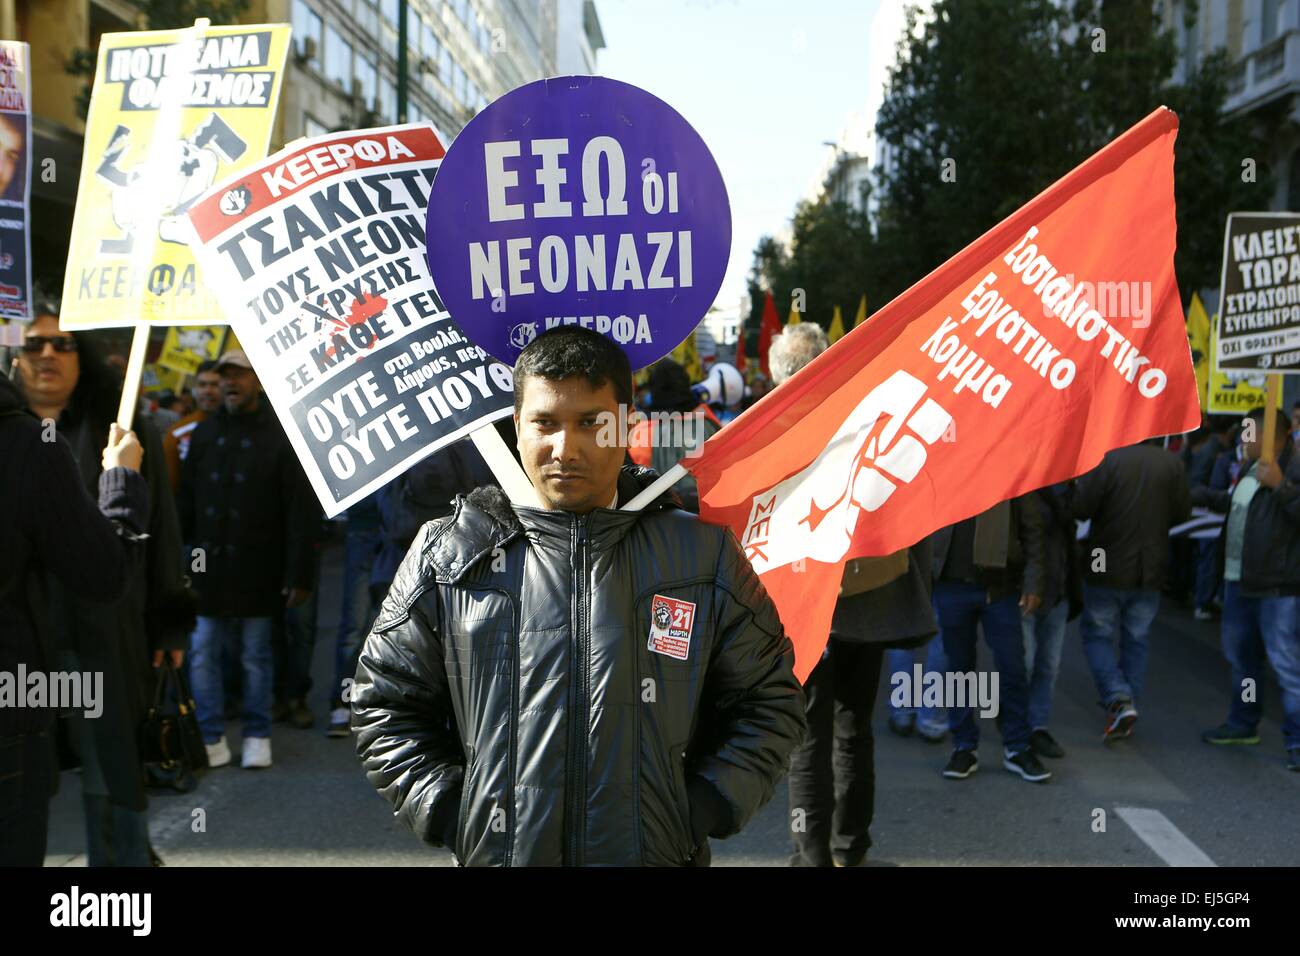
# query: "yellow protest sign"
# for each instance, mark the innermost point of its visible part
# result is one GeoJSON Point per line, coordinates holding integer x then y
{"type": "Point", "coordinates": [157, 377]}
{"type": "Point", "coordinates": [171, 113]}
{"type": "Point", "coordinates": [1232, 393]}
{"type": "Point", "coordinates": [184, 349]}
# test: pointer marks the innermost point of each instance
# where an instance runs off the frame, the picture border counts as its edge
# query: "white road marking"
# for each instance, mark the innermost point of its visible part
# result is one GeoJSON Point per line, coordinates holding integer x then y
{"type": "Point", "coordinates": [1165, 840]}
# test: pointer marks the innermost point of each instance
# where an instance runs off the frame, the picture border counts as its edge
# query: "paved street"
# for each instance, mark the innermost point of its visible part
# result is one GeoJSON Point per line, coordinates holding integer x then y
{"type": "Point", "coordinates": [1191, 803]}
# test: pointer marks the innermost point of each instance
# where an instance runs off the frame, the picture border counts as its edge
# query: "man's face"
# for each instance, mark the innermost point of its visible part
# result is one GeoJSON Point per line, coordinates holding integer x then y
{"type": "Point", "coordinates": [207, 391]}
{"type": "Point", "coordinates": [558, 424]}
{"type": "Point", "coordinates": [12, 153]}
{"type": "Point", "coordinates": [48, 376]}
{"type": "Point", "coordinates": [239, 389]}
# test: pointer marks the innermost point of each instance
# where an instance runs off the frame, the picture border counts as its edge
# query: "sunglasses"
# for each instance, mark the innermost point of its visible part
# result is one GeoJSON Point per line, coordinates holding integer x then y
{"type": "Point", "coordinates": [61, 343]}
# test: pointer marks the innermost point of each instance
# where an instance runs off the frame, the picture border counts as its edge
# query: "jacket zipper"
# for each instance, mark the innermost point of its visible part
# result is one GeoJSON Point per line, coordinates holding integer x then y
{"type": "Point", "coordinates": [576, 781]}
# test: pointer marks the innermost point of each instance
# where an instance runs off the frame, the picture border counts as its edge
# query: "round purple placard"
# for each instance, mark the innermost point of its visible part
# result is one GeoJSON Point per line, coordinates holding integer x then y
{"type": "Point", "coordinates": [578, 200]}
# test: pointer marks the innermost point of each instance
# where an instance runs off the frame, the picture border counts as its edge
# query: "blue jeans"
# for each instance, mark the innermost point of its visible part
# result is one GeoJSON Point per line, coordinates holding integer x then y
{"type": "Point", "coordinates": [358, 611]}
{"type": "Point", "coordinates": [1044, 636]}
{"type": "Point", "coordinates": [1252, 629]}
{"type": "Point", "coordinates": [250, 638]}
{"type": "Point", "coordinates": [1109, 613]}
{"type": "Point", "coordinates": [960, 606]}
{"type": "Point", "coordinates": [932, 718]}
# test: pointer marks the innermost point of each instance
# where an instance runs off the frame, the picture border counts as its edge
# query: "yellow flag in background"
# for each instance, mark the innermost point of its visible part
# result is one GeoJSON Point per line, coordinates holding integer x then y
{"type": "Point", "coordinates": [1198, 340]}
{"type": "Point", "coordinates": [171, 113]}
{"type": "Point", "coordinates": [1232, 393]}
{"type": "Point", "coordinates": [184, 349]}
{"type": "Point", "coordinates": [836, 331]}
{"type": "Point", "coordinates": [688, 357]}
{"type": "Point", "coordinates": [794, 317]}
{"type": "Point", "coordinates": [862, 313]}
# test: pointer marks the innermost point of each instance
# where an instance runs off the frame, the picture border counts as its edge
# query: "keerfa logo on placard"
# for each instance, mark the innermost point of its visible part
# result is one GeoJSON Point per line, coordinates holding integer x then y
{"type": "Point", "coordinates": [578, 201]}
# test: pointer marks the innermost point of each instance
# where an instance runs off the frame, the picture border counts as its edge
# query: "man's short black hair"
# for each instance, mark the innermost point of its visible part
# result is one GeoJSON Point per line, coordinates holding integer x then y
{"type": "Point", "coordinates": [569, 350]}
{"type": "Point", "coordinates": [207, 365]}
{"type": "Point", "coordinates": [1283, 421]}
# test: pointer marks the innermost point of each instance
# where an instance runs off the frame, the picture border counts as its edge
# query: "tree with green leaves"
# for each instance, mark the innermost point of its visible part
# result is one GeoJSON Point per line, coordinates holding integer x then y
{"type": "Point", "coordinates": [989, 103]}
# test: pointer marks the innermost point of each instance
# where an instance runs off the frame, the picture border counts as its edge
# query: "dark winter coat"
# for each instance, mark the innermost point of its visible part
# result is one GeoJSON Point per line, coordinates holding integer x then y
{"type": "Point", "coordinates": [1270, 549]}
{"type": "Point", "coordinates": [54, 528]}
{"type": "Point", "coordinates": [154, 614]}
{"type": "Point", "coordinates": [245, 501]}
{"type": "Point", "coordinates": [1132, 498]}
{"type": "Point", "coordinates": [508, 706]}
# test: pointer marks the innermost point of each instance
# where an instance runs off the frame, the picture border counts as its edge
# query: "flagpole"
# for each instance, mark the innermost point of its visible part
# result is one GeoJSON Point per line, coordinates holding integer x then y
{"type": "Point", "coordinates": [514, 482]}
{"type": "Point", "coordinates": [661, 484]}
{"type": "Point", "coordinates": [134, 372]}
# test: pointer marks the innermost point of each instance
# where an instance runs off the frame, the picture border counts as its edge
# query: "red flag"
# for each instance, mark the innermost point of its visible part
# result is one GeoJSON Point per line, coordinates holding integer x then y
{"type": "Point", "coordinates": [740, 349]}
{"type": "Point", "coordinates": [770, 327]}
{"type": "Point", "coordinates": [1017, 363]}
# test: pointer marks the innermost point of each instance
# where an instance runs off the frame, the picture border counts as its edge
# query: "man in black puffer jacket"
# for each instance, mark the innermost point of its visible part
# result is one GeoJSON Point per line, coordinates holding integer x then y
{"type": "Point", "coordinates": [574, 684]}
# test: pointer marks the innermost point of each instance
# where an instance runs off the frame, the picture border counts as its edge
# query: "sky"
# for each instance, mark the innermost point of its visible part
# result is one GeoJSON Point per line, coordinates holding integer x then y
{"type": "Point", "coordinates": [764, 82]}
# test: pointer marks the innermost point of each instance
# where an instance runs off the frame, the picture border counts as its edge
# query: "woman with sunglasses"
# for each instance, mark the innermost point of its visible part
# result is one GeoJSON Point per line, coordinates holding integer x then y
{"type": "Point", "coordinates": [53, 528]}
{"type": "Point", "coordinates": [65, 381]}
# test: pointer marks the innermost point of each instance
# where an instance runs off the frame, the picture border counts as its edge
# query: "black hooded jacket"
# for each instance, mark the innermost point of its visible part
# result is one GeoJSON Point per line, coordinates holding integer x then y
{"type": "Point", "coordinates": [509, 706]}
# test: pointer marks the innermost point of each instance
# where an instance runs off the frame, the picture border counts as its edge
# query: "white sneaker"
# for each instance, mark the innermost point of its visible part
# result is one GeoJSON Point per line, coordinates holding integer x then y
{"type": "Point", "coordinates": [257, 752]}
{"type": "Point", "coordinates": [218, 753]}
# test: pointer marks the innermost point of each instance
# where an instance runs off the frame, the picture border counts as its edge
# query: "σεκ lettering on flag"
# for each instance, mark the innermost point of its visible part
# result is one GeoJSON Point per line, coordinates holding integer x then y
{"type": "Point", "coordinates": [1013, 365]}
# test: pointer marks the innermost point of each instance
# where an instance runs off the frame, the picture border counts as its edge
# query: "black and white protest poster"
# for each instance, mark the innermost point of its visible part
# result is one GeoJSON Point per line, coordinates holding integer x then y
{"type": "Point", "coordinates": [1259, 314]}
{"type": "Point", "coordinates": [318, 258]}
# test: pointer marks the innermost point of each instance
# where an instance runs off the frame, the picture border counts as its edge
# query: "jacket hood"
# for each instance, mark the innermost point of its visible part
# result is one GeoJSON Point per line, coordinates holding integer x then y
{"type": "Point", "coordinates": [485, 520]}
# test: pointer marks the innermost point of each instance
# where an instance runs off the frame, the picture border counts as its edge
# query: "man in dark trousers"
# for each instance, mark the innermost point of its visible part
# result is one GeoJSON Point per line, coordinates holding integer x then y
{"type": "Point", "coordinates": [1259, 552]}
{"type": "Point", "coordinates": [573, 684]}
{"type": "Point", "coordinates": [884, 603]}
{"type": "Point", "coordinates": [250, 516]}
{"type": "Point", "coordinates": [1132, 499]}
{"type": "Point", "coordinates": [988, 570]}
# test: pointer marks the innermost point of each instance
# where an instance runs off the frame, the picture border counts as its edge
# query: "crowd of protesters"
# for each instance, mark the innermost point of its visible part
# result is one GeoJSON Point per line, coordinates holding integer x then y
{"type": "Point", "coordinates": [205, 554]}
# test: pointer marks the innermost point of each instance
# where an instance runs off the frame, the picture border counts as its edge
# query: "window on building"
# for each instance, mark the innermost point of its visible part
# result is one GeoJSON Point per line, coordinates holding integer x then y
{"type": "Point", "coordinates": [338, 58]}
{"type": "Point", "coordinates": [458, 82]}
{"type": "Point", "coordinates": [462, 10]}
{"type": "Point", "coordinates": [412, 28]}
{"type": "Point", "coordinates": [1269, 20]}
{"type": "Point", "coordinates": [367, 73]}
{"type": "Point", "coordinates": [431, 46]}
{"type": "Point", "coordinates": [311, 126]}
{"type": "Point", "coordinates": [388, 100]}
{"type": "Point", "coordinates": [444, 65]}
{"type": "Point", "coordinates": [368, 16]}
{"type": "Point", "coordinates": [306, 25]}
{"type": "Point", "coordinates": [389, 9]}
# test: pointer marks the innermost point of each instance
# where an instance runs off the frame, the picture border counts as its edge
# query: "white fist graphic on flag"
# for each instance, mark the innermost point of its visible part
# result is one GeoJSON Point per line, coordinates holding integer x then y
{"type": "Point", "coordinates": [881, 444]}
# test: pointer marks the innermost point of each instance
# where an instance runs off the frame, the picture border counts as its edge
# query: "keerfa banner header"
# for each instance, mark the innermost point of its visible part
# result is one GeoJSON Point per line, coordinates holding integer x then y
{"type": "Point", "coordinates": [171, 113]}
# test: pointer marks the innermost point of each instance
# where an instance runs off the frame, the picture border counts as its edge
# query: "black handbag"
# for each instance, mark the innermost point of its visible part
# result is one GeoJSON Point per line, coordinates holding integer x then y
{"type": "Point", "coordinates": [171, 744]}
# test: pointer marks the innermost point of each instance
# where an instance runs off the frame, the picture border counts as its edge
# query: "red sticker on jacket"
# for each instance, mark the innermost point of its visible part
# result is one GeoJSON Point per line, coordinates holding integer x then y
{"type": "Point", "coordinates": [671, 623]}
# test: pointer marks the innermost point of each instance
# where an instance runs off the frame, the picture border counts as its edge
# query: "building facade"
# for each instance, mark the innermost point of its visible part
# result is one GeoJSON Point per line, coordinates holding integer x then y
{"type": "Point", "coordinates": [1262, 38]}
